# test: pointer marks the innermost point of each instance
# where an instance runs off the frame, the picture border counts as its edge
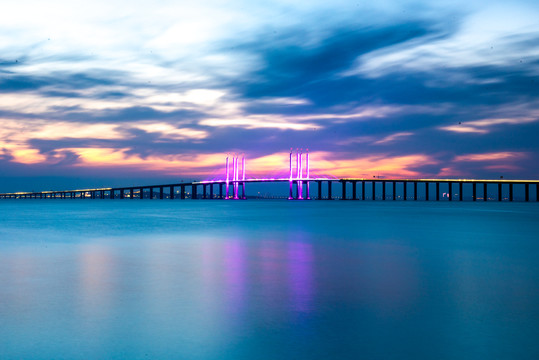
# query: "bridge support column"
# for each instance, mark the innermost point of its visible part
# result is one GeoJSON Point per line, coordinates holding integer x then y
{"type": "Point", "coordinates": [211, 192]}
{"type": "Point", "coordinates": [394, 190]}
{"type": "Point", "coordinates": [204, 189]}
{"type": "Point", "coordinates": [151, 193]}
{"type": "Point", "coordinates": [383, 190]}
{"type": "Point", "coordinates": [537, 192]}
{"type": "Point", "coordinates": [220, 191]}
{"type": "Point", "coordinates": [182, 192]}
{"type": "Point", "coordinates": [330, 184]}
{"type": "Point", "coordinates": [122, 194]}
{"type": "Point", "coordinates": [405, 190]}
{"type": "Point", "coordinates": [362, 189]}
{"type": "Point", "coordinates": [161, 193]}
{"type": "Point", "coordinates": [343, 183]}
{"type": "Point", "coordinates": [485, 194]}
{"type": "Point", "coordinates": [511, 192]}
{"type": "Point", "coordinates": [437, 191]}
{"type": "Point", "coordinates": [427, 191]}
{"type": "Point", "coordinates": [131, 191]}
{"type": "Point", "coordinates": [243, 190]}
{"type": "Point", "coordinates": [499, 191]}
{"type": "Point", "coordinates": [112, 194]}
{"type": "Point", "coordinates": [141, 194]}
{"type": "Point", "coordinates": [415, 190]}
{"type": "Point", "coordinates": [373, 190]}
{"type": "Point", "coordinates": [527, 192]}
{"type": "Point", "coordinates": [461, 195]}
{"type": "Point", "coordinates": [450, 191]}
{"type": "Point", "coordinates": [319, 183]}
{"type": "Point", "coordinates": [193, 191]}
{"type": "Point", "coordinates": [354, 194]}
{"type": "Point", "coordinates": [474, 192]}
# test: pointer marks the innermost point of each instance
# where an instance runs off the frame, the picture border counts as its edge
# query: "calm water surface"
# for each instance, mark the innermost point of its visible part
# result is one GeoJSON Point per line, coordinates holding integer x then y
{"type": "Point", "coordinates": [102, 279]}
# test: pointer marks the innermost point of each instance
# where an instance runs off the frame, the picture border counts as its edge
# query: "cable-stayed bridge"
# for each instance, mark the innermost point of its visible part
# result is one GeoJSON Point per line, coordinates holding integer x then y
{"type": "Point", "coordinates": [300, 187]}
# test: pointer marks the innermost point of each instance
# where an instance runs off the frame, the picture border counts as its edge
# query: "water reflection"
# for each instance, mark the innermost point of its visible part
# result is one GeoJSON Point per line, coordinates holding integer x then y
{"type": "Point", "coordinates": [320, 288]}
{"type": "Point", "coordinates": [300, 276]}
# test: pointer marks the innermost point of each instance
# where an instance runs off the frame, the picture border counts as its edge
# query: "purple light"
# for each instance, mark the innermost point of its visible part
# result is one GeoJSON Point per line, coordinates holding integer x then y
{"type": "Point", "coordinates": [300, 183]}
{"type": "Point", "coordinates": [307, 160]}
{"type": "Point", "coordinates": [243, 177]}
{"type": "Point", "coordinates": [291, 196]}
{"type": "Point", "coordinates": [236, 177]}
{"type": "Point", "coordinates": [227, 171]}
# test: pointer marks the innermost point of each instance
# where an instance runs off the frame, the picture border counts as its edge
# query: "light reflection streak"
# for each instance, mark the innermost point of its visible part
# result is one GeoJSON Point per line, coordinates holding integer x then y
{"type": "Point", "coordinates": [235, 273]}
{"type": "Point", "coordinates": [300, 276]}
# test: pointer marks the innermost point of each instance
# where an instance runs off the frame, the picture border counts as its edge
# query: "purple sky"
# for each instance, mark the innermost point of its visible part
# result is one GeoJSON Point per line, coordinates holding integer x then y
{"type": "Point", "coordinates": [117, 92]}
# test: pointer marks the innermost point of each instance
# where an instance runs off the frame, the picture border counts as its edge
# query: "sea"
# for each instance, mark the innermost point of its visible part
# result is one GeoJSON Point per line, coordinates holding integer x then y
{"type": "Point", "coordinates": [268, 279]}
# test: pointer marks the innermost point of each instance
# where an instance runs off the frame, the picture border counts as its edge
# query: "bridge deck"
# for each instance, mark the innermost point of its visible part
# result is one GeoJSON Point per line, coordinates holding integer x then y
{"type": "Point", "coordinates": [140, 189]}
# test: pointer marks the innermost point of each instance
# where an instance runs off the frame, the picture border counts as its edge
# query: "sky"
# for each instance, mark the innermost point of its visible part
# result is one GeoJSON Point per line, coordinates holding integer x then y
{"type": "Point", "coordinates": [113, 93]}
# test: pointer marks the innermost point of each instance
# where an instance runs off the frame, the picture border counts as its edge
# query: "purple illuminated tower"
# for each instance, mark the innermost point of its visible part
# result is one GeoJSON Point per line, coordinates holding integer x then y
{"type": "Point", "coordinates": [291, 196]}
{"type": "Point", "coordinates": [307, 160]}
{"type": "Point", "coordinates": [236, 177]}
{"type": "Point", "coordinates": [300, 183]}
{"type": "Point", "coordinates": [297, 173]}
{"type": "Point", "coordinates": [227, 176]}
{"type": "Point", "coordinates": [243, 176]}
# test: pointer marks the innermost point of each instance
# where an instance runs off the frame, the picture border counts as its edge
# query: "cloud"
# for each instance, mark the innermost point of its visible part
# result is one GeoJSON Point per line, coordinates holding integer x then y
{"type": "Point", "coordinates": [483, 126]}
{"type": "Point", "coordinates": [490, 156]}
{"type": "Point", "coordinates": [81, 88]}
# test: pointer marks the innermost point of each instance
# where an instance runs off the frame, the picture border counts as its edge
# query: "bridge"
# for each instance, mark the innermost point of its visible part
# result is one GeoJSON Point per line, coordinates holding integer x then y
{"type": "Point", "coordinates": [300, 181]}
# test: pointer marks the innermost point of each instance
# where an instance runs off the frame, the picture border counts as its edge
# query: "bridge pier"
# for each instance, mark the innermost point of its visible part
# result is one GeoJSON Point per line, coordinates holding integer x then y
{"type": "Point", "coordinates": [193, 191]}
{"type": "Point", "coordinates": [354, 194]}
{"type": "Point", "coordinates": [343, 183]}
{"type": "Point", "coordinates": [204, 189]}
{"type": "Point", "coordinates": [510, 192]}
{"type": "Point", "coordinates": [319, 183]}
{"type": "Point", "coordinates": [427, 191]}
{"type": "Point", "coordinates": [330, 184]}
{"type": "Point", "coordinates": [383, 190]}
{"type": "Point", "coordinates": [485, 193]}
{"type": "Point", "coordinates": [526, 192]}
{"type": "Point", "coordinates": [182, 192]}
{"type": "Point", "coordinates": [450, 191]}
{"type": "Point", "coordinates": [474, 192]}
{"type": "Point", "coordinates": [499, 191]}
{"type": "Point", "coordinates": [405, 190]}
{"type": "Point", "coordinates": [363, 190]}
{"type": "Point", "coordinates": [394, 190]}
{"type": "Point", "coordinates": [415, 190]}
{"type": "Point", "coordinates": [373, 190]}
{"type": "Point", "coordinates": [131, 193]}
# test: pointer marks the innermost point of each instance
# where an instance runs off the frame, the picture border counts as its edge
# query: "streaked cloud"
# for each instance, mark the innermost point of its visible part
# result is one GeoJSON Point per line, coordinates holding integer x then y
{"type": "Point", "coordinates": [384, 89]}
{"type": "Point", "coordinates": [490, 156]}
{"type": "Point", "coordinates": [482, 126]}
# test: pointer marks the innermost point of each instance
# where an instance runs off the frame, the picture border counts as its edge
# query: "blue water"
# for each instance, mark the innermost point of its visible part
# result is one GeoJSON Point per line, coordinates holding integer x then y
{"type": "Point", "coordinates": [129, 279]}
